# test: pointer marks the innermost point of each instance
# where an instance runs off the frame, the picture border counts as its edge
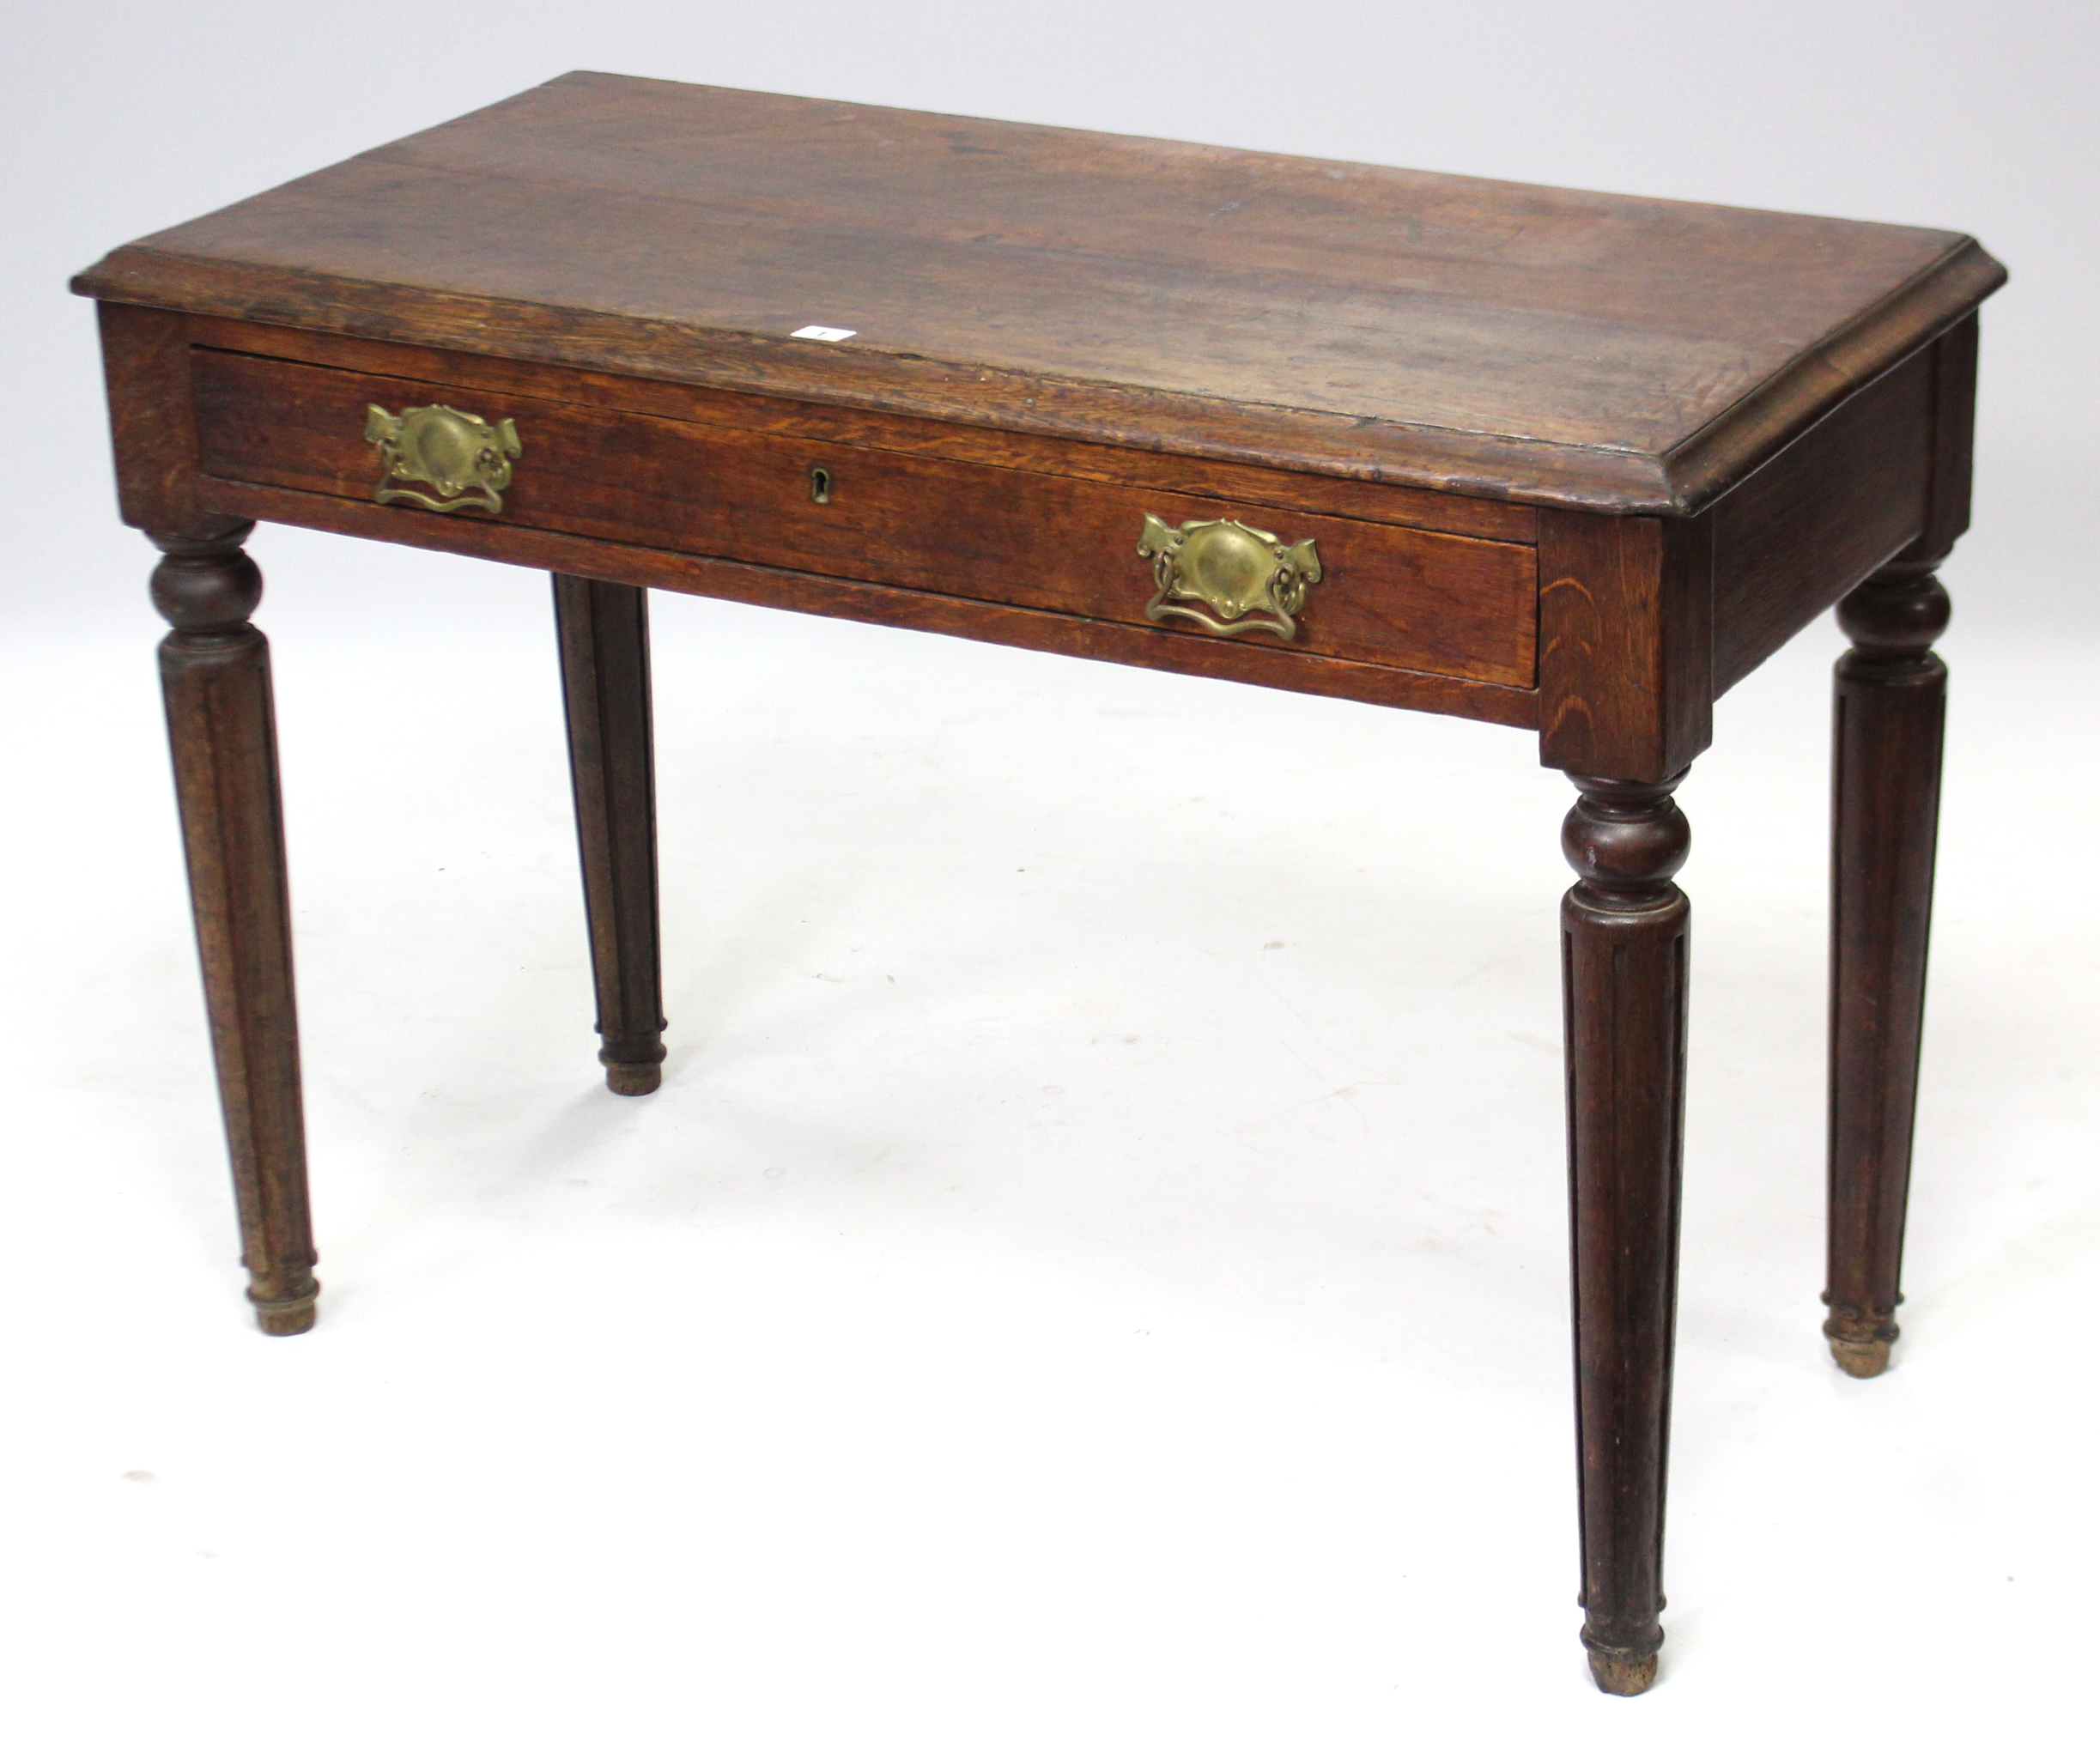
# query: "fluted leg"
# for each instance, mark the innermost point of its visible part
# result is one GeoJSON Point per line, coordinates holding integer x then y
{"type": "Point", "coordinates": [604, 628]}
{"type": "Point", "coordinates": [1890, 711]}
{"type": "Point", "coordinates": [215, 673]}
{"type": "Point", "coordinates": [1624, 934]}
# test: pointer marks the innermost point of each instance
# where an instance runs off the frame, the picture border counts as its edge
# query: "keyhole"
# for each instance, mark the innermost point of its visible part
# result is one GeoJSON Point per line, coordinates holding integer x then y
{"type": "Point", "coordinates": [820, 485]}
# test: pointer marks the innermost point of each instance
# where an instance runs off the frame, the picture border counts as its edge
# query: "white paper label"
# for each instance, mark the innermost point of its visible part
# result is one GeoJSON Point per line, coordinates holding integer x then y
{"type": "Point", "coordinates": [823, 333]}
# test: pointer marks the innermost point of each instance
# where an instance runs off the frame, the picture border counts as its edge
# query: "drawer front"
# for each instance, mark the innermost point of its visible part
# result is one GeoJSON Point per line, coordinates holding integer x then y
{"type": "Point", "coordinates": [1398, 596]}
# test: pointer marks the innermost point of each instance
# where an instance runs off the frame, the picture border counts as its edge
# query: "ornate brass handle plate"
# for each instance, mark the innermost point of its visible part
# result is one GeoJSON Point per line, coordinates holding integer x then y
{"type": "Point", "coordinates": [465, 460]}
{"type": "Point", "coordinates": [1249, 579]}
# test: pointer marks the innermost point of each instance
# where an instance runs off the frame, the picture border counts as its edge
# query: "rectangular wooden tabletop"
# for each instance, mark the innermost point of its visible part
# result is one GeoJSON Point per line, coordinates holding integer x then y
{"type": "Point", "coordinates": [1552, 347]}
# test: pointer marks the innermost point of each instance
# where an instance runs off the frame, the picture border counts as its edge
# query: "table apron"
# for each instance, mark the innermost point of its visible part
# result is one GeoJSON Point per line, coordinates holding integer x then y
{"type": "Point", "coordinates": [1429, 603]}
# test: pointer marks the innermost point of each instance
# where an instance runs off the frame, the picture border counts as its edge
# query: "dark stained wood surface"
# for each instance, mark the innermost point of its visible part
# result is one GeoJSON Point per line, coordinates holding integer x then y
{"type": "Point", "coordinates": [875, 603]}
{"type": "Point", "coordinates": [603, 630]}
{"type": "Point", "coordinates": [1389, 595]}
{"type": "Point", "coordinates": [1624, 943]}
{"type": "Point", "coordinates": [1626, 637]}
{"type": "Point", "coordinates": [1406, 507]}
{"type": "Point", "coordinates": [1954, 441]}
{"type": "Point", "coordinates": [1891, 695]}
{"type": "Point", "coordinates": [146, 355]}
{"type": "Point", "coordinates": [222, 729]}
{"type": "Point", "coordinates": [1822, 516]}
{"type": "Point", "coordinates": [1557, 347]}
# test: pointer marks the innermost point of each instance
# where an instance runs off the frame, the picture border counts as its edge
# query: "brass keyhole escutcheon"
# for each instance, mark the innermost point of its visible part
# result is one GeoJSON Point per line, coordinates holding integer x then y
{"type": "Point", "coordinates": [820, 485]}
{"type": "Point", "coordinates": [465, 460]}
{"type": "Point", "coordinates": [1249, 579]}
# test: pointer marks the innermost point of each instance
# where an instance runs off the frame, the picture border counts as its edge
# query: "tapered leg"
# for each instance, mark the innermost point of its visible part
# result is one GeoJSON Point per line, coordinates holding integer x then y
{"type": "Point", "coordinates": [215, 672]}
{"type": "Point", "coordinates": [604, 628]}
{"type": "Point", "coordinates": [1623, 929]}
{"type": "Point", "coordinates": [1890, 711]}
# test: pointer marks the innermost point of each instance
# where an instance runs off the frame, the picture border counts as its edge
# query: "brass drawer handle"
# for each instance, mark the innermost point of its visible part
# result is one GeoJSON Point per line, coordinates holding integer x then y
{"type": "Point", "coordinates": [1250, 579]}
{"type": "Point", "coordinates": [465, 460]}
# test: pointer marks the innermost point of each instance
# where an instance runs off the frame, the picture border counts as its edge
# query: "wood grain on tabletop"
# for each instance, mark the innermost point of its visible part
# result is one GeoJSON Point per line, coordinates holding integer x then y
{"type": "Point", "coordinates": [1557, 347]}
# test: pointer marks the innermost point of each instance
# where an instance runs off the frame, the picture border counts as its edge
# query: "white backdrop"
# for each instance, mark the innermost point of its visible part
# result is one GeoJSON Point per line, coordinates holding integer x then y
{"type": "Point", "coordinates": [1096, 1269]}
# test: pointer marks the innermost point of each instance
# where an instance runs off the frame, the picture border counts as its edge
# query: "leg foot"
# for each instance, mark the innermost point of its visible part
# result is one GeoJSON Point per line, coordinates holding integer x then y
{"type": "Point", "coordinates": [1623, 1678]}
{"type": "Point", "coordinates": [284, 1316]}
{"type": "Point", "coordinates": [1859, 1358]}
{"type": "Point", "coordinates": [632, 1079]}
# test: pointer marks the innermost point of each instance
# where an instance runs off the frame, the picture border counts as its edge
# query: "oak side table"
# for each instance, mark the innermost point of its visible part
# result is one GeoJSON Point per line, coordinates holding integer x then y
{"type": "Point", "coordinates": [1572, 462]}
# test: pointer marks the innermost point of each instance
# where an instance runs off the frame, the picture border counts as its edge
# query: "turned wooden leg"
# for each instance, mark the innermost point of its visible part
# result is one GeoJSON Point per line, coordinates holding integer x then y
{"type": "Point", "coordinates": [215, 672]}
{"type": "Point", "coordinates": [604, 628]}
{"type": "Point", "coordinates": [1623, 929]}
{"type": "Point", "coordinates": [1890, 711]}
